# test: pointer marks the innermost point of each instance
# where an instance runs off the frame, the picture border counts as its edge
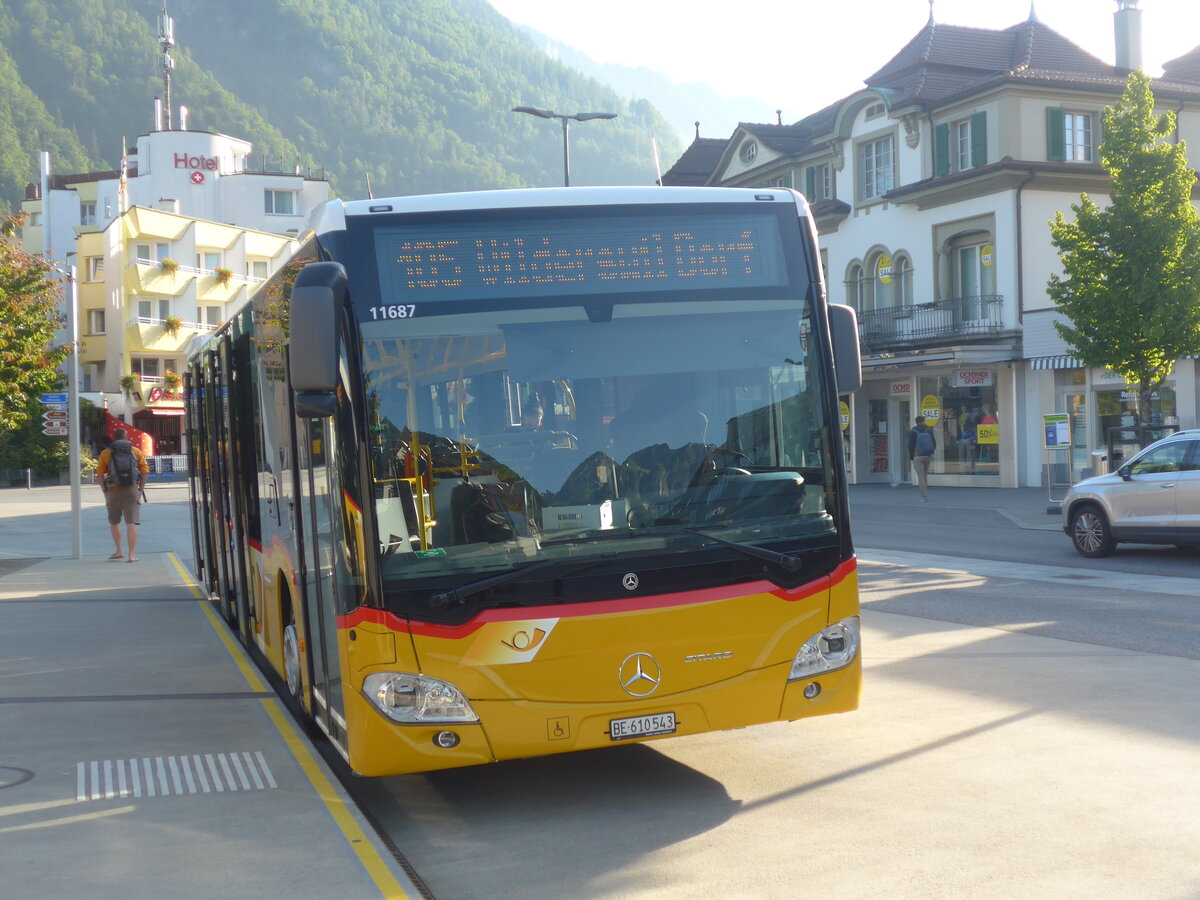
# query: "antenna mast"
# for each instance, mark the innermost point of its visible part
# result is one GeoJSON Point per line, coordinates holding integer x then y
{"type": "Point", "coordinates": [166, 40]}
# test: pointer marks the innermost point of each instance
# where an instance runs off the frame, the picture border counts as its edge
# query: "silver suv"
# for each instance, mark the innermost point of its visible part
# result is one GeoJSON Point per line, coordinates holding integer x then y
{"type": "Point", "coordinates": [1152, 499]}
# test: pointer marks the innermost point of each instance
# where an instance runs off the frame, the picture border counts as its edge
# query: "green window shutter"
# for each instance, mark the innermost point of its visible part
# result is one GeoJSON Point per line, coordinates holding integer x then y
{"type": "Point", "coordinates": [941, 149]}
{"type": "Point", "coordinates": [810, 182]}
{"type": "Point", "coordinates": [979, 139]}
{"type": "Point", "coordinates": [789, 179]}
{"type": "Point", "coordinates": [1056, 144]}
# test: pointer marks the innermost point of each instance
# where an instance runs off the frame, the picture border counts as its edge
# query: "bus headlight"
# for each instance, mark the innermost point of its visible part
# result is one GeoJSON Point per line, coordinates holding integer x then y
{"type": "Point", "coordinates": [417, 699]}
{"type": "Point", "coordinates": [833, 647]}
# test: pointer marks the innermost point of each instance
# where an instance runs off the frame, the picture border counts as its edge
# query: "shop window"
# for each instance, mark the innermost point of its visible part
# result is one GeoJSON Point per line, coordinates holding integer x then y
{"type": "Point", "coordinates": [968, 425]}
{"type": "Point", "coordinates": [1117, 409]}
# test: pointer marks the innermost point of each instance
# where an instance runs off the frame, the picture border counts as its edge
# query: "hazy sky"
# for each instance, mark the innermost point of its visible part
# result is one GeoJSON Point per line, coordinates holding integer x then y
{"type": "Point", "coordinates": [800, 55]}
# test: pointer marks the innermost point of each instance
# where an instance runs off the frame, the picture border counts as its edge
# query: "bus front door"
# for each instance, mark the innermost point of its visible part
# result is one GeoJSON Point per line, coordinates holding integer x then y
{"type": "Point", "coordinates": [319, 525]}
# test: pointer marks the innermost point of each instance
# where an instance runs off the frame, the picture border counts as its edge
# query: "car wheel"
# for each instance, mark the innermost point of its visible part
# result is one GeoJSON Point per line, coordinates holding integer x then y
{"type": "Point", "coordinates": [1090, 533]}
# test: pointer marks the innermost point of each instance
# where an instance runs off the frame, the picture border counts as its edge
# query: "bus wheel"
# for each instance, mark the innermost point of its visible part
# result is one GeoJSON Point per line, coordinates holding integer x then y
{"type": "Point", "coordinates": [291, 658]}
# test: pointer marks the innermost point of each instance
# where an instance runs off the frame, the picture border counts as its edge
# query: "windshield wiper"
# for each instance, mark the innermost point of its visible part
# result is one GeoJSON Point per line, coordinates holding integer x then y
{"type": "Point", "coordinates": [459, 595]}
{"type": "Point", "coordinates": [789, 562]}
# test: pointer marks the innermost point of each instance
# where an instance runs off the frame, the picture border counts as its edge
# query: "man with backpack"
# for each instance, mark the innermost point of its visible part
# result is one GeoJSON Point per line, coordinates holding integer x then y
{"type": "Point", "coordinates": [122, 472]}
{"type": "Point", "coordinates": [921, 447]}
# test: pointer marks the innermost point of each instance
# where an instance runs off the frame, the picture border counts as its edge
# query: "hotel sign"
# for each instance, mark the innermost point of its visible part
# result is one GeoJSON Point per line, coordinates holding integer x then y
{"type": "Point", "coordinates": [197, 163]}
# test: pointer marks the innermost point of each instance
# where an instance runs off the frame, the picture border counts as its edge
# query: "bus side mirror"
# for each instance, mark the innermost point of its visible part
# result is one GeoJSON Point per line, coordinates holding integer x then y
{"type": "Point", "coordinates": [317, 295]}
{"type": "Point", "coordinates": [847, 361]}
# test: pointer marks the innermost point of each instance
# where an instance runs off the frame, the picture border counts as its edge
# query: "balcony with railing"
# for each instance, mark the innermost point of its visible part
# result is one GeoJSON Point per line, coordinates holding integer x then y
{"type": "Point", "coordinates": [152, 333]}
{"type": "Point", "coordinates": [150, 276]}
{"type": "Point", "coordinates": [937, 322]}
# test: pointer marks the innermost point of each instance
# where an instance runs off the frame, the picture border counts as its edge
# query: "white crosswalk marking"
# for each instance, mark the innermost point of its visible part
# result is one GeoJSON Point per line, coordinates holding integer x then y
{"type": "Point", "coordinates": [165, 776]}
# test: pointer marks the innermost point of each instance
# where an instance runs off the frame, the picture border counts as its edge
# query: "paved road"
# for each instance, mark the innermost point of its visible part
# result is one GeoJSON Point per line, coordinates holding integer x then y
{"type": "Point", "coordinates": [985, 762]}
{"type": "Point", "coordinates": [1025, 728]}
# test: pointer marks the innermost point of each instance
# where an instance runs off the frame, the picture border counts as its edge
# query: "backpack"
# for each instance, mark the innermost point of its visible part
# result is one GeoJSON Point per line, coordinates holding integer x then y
{"type": "Point", "coordinates": [122, 467]}
{"type": "Point", "coordinates": [924, 444]}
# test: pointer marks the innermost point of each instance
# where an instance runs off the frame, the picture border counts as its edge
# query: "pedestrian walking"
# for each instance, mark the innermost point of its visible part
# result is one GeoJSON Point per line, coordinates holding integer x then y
{"type": "Point", "coordinates": [921, 447]}
{"type": "Point", "coordinates": [122, 472]}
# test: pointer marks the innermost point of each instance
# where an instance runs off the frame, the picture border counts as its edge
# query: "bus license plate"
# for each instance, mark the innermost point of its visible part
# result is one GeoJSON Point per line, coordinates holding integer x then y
{"type": "Point", "coordinates": [642, 726]}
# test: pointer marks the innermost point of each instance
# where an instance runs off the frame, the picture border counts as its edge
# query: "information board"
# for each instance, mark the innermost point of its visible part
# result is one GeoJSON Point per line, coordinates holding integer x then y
{"type": "Point", "coordinates": [1056, 430]}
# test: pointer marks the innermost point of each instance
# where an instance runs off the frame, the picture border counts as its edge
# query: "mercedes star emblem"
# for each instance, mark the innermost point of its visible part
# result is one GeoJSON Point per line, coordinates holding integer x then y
{"type": "Point", "coordinates": [640, 675]}
{"type": "Point", "coordinates": [630, 581]}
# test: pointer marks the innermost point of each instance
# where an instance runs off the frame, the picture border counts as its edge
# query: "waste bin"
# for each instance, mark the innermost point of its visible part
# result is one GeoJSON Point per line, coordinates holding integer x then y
{"type": "Point", "coordinates": [1099, 462]}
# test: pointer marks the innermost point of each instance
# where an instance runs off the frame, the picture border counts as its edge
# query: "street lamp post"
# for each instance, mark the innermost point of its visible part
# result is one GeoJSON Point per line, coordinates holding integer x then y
{"type": "Point", "coordinates": [578, 117]}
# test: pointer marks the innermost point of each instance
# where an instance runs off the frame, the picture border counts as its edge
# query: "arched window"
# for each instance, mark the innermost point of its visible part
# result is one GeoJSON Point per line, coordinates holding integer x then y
{"type": "Point", "coordinates": [902, 279]}
{"type": "Point", "coordinates": [880, 269]}
{"type": "Point", "coordinates": [855, 286]}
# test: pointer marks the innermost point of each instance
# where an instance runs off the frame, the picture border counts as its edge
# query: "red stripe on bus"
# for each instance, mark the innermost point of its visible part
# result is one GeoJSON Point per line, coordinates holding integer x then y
{"type": "Point", "coordinates": [633, 604]}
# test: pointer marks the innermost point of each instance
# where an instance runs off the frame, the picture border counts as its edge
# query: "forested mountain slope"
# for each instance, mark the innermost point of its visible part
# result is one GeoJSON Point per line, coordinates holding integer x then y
{"type": "Point", "coordinates": [413, 94]}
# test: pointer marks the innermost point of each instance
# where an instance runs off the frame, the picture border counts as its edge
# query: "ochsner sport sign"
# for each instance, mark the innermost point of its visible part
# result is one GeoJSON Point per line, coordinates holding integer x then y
{"type": "Point", "coordinates": [973, 378]}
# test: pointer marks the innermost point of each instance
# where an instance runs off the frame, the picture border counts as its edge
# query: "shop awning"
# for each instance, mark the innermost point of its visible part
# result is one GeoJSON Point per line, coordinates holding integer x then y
{"type": "Point", "coordinates": [159, 411]}
{"type": "Point", "coordinates": [1054, 362]}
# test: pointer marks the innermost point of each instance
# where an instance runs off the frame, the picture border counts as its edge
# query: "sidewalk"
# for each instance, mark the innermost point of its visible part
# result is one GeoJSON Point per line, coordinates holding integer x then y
{"type": "Point", "coordinates": [141, 754]}
{"type": "Point", "coordinates": [1025, 507]}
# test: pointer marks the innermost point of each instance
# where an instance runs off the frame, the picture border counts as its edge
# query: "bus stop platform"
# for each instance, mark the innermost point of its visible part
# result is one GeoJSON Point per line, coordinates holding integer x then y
{"type": "Point", "coordinates": [141, 753]}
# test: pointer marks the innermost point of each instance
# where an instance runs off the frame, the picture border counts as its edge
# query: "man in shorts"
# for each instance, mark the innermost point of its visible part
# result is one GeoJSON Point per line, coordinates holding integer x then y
{"type": "Point", "coordinates": [122, 500]}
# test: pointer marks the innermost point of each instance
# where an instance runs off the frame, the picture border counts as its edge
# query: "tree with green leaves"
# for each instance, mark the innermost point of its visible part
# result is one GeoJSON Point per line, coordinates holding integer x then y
{"type": "Point", "coordinates": [1131, 284]}
{"type": "Point", "coordinates": [29, 320]}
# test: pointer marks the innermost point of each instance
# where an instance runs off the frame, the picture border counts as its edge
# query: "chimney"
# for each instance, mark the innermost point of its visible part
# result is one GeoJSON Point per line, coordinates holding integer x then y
{"type": "Point", "coordinates": [1127, 21]}
{"type": "Point", "coordinates": [183, 117]}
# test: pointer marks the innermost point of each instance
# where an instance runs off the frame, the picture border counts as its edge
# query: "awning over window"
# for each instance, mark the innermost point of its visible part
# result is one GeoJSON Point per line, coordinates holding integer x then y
{"type": "Point", "coordinates": [159, 411]}
{"type": "Point", "coordinates": [1054, 362]}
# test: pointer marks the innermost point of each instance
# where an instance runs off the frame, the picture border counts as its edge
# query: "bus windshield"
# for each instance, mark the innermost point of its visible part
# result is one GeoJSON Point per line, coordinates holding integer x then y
{"type": "Point", "coordinates": [511, 436]}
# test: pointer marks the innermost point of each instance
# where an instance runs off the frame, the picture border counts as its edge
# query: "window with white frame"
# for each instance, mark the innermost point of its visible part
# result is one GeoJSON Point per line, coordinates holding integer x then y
{"type": "Point", "coordinates": [279, 203]}
{"type": "Point", "coordinates": [148, 367]}
{"type": "Point", "coordinates": [95, 268]}
{"type": "Point", "coordinates": [213, 315]}
{"type": "Point", "coordinates": [962, 145]}
{"type": "Point", "coordinates": [154, 309]}
{"type": "Point", "coordinates": [902, 279]}
{"type": "Point", "coordinates": [142, 251]}
{"type": "Point", "coordinates": [257, 268]}
{"type": "Point", "coordinates": [859, 293]}
{"type": "Point", "coordinates": [95, 321]}
{"type": "Point", "coordinates": [162, 251]}
{"type": "Point", "coordinates": [208, 260]}
{"type": "Point", "coordinates": [1077, 137]}
{"type": "Point", "coordinates": [87, 213]}
{"type": "Point", "coordinates": [878, 168]}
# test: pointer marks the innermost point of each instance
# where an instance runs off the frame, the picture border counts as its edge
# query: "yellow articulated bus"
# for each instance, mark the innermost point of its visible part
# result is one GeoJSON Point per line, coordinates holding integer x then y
{"type": "Point", "coordinates": [493, 475]}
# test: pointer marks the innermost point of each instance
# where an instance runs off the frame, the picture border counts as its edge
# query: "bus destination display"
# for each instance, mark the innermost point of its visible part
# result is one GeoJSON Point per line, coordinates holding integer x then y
{"type": "Point", "coordinates": [557, 257]}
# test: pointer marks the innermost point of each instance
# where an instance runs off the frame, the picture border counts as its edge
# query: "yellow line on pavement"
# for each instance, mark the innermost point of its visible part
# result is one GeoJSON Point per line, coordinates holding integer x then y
{"type": "Point", "coordinates": [359, 841]}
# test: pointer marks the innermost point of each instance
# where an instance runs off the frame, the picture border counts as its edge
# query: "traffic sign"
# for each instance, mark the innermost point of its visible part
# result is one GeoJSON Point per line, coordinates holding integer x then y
{"type": "Point", "coordinates": [61, 406]}
{"type": "Point", "coordinates": [52, 415]}
{"type": "Point", "coordinates": [54, 398]}
{"type": "Point", "coordinates": [55, 430]}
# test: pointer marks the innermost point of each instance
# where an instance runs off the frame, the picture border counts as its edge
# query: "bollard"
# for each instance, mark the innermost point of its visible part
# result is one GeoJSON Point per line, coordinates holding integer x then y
{"type": "Point", "coordinates": [1099, 462]}
{"type": "Point", "coordinates": [29, 479]}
